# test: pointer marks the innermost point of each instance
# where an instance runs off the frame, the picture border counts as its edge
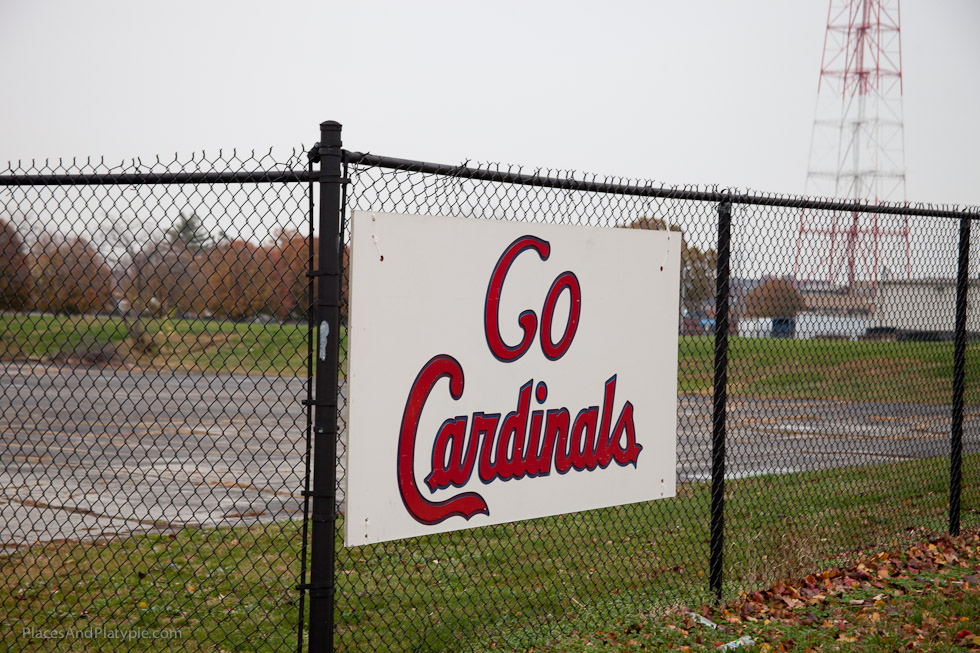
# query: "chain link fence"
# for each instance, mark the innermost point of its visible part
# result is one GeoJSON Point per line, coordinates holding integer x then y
{"type": "Point", "coordinates": [508, 586]}
{"type": "Point", "coordinates": [837, 419]}
{"type": "Point", "coordinates": [157, 396]}
{"type": "Point", "coordinates": [154, 353]}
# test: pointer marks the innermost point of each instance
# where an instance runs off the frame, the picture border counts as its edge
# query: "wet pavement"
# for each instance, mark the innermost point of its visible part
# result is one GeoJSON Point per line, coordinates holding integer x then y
{"type": "Point", "coordinates": [92, 453]}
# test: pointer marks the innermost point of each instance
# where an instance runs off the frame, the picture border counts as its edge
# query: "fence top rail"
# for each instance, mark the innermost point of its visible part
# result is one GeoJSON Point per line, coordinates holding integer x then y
{"type": "Point", "coordinates": [159, 178]}
{"type": "Point", "coordinates": [649, 189]}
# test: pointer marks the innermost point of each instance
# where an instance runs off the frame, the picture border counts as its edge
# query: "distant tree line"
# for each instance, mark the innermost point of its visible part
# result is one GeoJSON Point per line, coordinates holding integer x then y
{"type": "Point", "coordinates": [187, 271]}
{"type": "Point", "coordinates": [777, 297]}
{"type": "Point", "coordinates": [190, 270]}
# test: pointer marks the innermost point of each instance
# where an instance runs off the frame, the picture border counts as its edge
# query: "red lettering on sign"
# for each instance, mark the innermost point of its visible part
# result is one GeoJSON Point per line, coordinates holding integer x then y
{"type": "Point", "coordinates": [527, 442]}
{"type": "Point", "coordinates": [448, 463]}
{"type": "Point", "coordinates": [485, 428]}
{"type": "Point", "coordinates": [491, 307]}
{"type": "Point", "coordinates": [510, 445]}
{"type": "Point", "coordinates": [520, 447]}
{"type": "Point", "coordinates": [527, 319]}
{"type": "Point", "coordinates": [565, 280]}
{"type": "Point", "coordinates": [425, 511]}
{"type": "Point", "coordinates": [556, 429]}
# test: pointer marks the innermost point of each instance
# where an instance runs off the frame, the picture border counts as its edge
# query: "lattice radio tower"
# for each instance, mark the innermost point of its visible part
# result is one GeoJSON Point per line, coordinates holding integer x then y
{"type": "Point", "coordinates": [857, 150]}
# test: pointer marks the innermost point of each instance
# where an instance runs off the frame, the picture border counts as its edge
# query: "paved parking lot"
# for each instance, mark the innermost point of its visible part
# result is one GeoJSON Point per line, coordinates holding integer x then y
{"type": "Point", "coordinates": [93, 452]}
{"type": "Point", "coordinates": [782, 436]}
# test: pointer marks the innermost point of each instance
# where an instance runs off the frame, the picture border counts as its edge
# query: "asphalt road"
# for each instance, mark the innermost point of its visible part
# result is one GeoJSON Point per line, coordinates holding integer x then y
{"type": "Point", "coordinates": [782, 436]}
{"type": "Point", "coordinates": [90, 453]}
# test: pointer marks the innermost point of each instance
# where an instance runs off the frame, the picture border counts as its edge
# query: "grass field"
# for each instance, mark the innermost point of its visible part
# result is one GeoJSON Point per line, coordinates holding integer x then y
{"type": "Point", "coordinates": [924, 598]}
{"type": "Point", "coordinates": [190, 345]}
{"type": "Point", "coordinates": [507, 587]}
{"type": "Point", "coordinates": [919, 372]}
{"type": "Point", "coordinates": [221, 589]}
{"type": "Point", "coordinates": [864, 370]}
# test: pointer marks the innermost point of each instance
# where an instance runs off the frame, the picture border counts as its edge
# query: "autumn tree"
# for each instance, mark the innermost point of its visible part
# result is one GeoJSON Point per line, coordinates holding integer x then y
{"type": "Point", "coordinates": [15, 272]}
{"type": "Point", "coordinates": [70, 276]}
{"type": "Point", "coordinates": [697, 266]}
{"type": "Point", "coordinates": [290, 258]}
{"type": "Point", "coordinates": [774, 298]}
{"type": "Point", "coordinates": [238, 280]}
{"type": "Point", "coordinates": [163, 278]}
{"type": "Point", "coordinates": [169, 273]}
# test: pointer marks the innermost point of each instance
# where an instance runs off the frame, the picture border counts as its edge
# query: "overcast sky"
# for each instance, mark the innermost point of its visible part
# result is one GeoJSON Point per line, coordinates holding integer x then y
{"type": "Point", "coordinates": [702, 91]}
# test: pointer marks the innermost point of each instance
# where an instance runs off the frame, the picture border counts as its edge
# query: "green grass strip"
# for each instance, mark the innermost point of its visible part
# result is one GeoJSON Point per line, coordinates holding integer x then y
{"type": "Point", "coordinates": [510, 586]}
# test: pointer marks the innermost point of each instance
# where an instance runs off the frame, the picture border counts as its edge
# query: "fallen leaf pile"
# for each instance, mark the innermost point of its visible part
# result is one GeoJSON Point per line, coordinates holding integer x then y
{"type": "Point", "coordinates": [874, 598]}
{"type": "Point", "coordinates": [926, 598]}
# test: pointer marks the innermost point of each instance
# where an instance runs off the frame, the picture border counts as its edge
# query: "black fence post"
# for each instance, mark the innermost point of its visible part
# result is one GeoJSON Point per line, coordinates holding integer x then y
{"type": "Point", "coordinates": [720, 396]}
{"type": "Point", "coordinates": [326, 384]}
{"type": "Point", "coordinates": [959, 373]}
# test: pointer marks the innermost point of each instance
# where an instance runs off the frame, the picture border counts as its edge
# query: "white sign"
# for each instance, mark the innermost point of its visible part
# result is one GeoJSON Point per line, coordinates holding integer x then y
{"type": "Point", "coordinates": [502, 371]}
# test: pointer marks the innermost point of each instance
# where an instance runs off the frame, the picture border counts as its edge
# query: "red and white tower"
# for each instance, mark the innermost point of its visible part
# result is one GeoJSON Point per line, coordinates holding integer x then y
{"type": "Point", "coordinates": [857, 150]}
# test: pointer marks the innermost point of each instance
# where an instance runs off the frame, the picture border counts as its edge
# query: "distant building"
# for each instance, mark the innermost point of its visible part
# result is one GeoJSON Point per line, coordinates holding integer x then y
{"type": "Point", "coordinates": [923, 309]}
{"type": "Point", "coordinates": [768, 327]}
{"type": "Point", "coordinates": [806, 326]}
{"type": "Point", "coordinates": [829, 299]}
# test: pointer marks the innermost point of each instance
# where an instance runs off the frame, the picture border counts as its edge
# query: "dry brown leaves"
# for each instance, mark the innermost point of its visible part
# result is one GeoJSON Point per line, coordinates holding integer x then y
{"type": "Point", "coordinates": [881, 579]}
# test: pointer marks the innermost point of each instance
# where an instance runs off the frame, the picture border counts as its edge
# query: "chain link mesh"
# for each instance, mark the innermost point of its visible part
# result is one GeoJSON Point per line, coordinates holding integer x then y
{"type": "Point", "coordinates": [155, 352]}
{"type": "Point", "coordinates": [838, 423]}
{"type": "Point", "coordinates": [153, 357]}
{"type": "Point", "coordinates": [504, 586]}
{"type": "Point", "coordinates": [970, 503]}
{"type": "Point", "coordinates": [840, 389]}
